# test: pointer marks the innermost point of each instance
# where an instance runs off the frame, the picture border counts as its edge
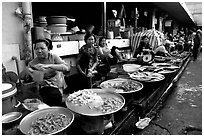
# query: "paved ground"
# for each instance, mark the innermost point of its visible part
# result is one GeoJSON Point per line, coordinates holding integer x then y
{"type": "Point", "coordinates": [182, 112]}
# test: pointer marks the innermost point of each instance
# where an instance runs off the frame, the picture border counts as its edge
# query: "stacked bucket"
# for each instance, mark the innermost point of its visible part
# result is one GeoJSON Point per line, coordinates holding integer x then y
{"type": "Point", "coordinates": [57, 24]}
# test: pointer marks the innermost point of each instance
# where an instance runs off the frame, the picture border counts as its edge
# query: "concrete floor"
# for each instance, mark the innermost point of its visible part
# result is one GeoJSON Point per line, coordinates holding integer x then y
{"type": "Point", "coordinates": [182, 111]}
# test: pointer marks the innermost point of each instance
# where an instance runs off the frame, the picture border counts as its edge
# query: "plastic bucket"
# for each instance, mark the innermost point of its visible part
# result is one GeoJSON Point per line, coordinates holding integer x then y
{"type": "Point", "coordinates": [110, 35]}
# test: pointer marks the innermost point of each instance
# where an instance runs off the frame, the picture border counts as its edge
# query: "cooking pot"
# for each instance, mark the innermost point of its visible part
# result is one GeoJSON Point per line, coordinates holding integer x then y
{"type": "Point", "coordinates": [8, 97]}
{"type": "Point", "coordinates": [57, 28]}
{"type": "Point", "coordinates": [56, 20]}
{"type": "Point", "coordinates": [42, 24]}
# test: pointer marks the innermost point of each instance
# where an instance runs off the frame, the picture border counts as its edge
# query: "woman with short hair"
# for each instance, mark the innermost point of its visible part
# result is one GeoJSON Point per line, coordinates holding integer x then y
{"type": "Point", "coordinates": [51, 67]}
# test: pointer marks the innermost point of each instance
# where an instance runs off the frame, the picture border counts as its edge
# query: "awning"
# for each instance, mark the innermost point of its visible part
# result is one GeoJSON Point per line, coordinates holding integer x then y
{"type": "Point", "coordinates": [178, 11]}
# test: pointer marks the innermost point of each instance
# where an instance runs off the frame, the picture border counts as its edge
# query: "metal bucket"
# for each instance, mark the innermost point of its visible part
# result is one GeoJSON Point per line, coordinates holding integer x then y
{"type": "Point", "coordinates": [57, 28]}
{"type": "Point", "coordinates": [8, 97]}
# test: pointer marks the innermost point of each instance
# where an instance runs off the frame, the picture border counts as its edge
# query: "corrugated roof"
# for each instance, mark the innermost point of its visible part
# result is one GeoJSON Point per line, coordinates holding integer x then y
{"type": "Point", "coordinates": [195, 9]}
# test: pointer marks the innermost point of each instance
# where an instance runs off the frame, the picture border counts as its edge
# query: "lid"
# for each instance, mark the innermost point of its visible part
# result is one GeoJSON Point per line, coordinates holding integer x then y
{"type": "Point", "coordinates": [57, 25]}
{"type": "Point", "coordinates": [8, 89]}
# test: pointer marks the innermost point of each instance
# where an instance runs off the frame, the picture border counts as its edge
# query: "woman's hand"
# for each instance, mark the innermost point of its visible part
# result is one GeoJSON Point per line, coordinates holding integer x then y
{"type": "Point", "coordinates": [110, 55]}
{"type": "Point", "coordinates": [42, 67]}
{"type": "Point", "coordinates": [89, 74]}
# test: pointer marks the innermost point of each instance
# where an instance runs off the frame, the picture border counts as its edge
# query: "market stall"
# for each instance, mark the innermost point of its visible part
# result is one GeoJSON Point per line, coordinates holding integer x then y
{"type": "Point", "coordinates": [116, 104]}
{"type": "Point", "coordinates": [145, 87]}
{"type": "Point", "coordinates": [155, 38]}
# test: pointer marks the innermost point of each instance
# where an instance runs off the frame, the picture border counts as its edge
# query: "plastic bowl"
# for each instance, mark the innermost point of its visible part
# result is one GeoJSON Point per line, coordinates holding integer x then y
{"type": "Point", "coordinates": [10, 119]}
{"type": "Point", "coordinates": [130, 67]}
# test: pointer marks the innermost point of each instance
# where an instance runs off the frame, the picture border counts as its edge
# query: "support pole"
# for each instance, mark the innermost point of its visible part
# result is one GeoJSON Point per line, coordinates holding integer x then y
{"type": "Point", "coordinates": [104, 19]}
{"type": "Point", "coordinates": [27, 21]}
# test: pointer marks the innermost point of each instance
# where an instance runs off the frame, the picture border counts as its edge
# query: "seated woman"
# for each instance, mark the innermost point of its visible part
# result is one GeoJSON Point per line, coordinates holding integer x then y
{"type": "Point", "coordinates": [144, 52]}
{"type": "Point", "coordinates": [113, 55]}
{"type": "Point", "coordinates": [143, 47]}
{"type": "Point", "coordinates": [51, 67]}
{"type": "Point", "coordinates": [161, 51]}
{"type": "Point", "coordinates": [164, 49]}
{"type": "Point", "coordinates": [86, 64]}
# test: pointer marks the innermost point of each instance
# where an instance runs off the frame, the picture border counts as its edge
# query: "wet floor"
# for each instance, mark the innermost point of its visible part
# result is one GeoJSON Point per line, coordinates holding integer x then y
{"type": "Point", "coordinates": [182, 112]}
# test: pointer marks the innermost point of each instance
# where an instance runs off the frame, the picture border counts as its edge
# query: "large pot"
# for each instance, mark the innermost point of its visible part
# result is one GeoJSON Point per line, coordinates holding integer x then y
{"type": "Point", "coordinates": [57, 28]}
{"type": "Point", "coordinates": [8, 97]}
{"type": "Point", "coordinates": [56, 20]}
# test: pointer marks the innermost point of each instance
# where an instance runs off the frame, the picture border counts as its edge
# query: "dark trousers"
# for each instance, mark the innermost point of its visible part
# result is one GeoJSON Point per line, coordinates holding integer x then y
{"type": "Point", "coordinates": [51, 96]}
{"type": "Point", "coordinates": [195, 51]}
{"type": "Point", "coordinates": [76, 82]}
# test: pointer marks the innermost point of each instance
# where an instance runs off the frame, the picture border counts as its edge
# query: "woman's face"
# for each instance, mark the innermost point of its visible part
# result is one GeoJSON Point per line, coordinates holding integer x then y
{"type": "Point", "coordinates": [41, 50]}
{"type": "Point", "coordinates": [103, 42]}
{"type": "Point", "coordinates": [90, 40]}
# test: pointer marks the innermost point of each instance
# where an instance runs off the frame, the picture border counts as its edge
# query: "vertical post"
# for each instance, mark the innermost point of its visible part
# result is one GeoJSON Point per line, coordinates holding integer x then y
{"type": "Point", "coordinates": [27, 30]}
{"type": "Point", "coordinates": [136, 17]}
{"type": "Point", "coordinates": [104, 19]}
{"type": "Point", "coordinates": [153, 19]}
{"type": "Point", "coordinates": [160, 24]}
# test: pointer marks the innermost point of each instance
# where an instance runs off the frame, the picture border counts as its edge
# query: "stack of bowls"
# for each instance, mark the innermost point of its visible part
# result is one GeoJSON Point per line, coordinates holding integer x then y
{"type": "Point", "coordinates": [57, 24]}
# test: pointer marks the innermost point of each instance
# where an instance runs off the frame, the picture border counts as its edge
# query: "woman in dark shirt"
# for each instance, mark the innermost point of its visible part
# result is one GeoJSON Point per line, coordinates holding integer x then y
{"type": "Point", "coordinates": [88, 56]}
{"type": "Point", "coordinates": [143, 47]}
{"type": "Point", "coordinates": [144, 52]}
{"type": "Point", "coordinates": [86, 64]}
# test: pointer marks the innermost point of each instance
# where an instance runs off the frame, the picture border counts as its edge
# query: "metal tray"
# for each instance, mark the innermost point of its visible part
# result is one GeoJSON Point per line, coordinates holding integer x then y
{"type": "Point", "coordinates": [166, 68]}
{"type": "Point", "coordinates": [86, 110]}
{"type": "Point", "coordinates": [154, 77]}
{"type": "Point", "coordinates": [167, 71]}
{"type": "Point", "coordinates": [26, 122]}
{"type": "Point", "coordinates": [32, 104]}
{"type": "Point", "coordinates": [107, 84]}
